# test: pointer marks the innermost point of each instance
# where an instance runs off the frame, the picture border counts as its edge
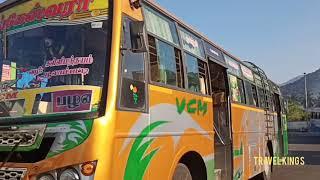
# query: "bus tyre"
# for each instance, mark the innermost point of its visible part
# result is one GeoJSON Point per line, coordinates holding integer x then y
{"type": "Point", "coordinates": [267, 168]}
{"type": "Point", "coordinates": [182, 172]}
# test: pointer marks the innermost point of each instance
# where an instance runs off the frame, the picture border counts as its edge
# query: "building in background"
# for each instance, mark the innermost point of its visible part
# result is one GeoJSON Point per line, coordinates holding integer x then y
{"type": "Point", "coordinates": [314, 113]}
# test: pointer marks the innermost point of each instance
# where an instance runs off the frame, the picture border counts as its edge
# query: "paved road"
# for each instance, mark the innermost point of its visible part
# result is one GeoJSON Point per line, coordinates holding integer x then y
{"type": "Point", "coordinates": [308, 172]}
{"type": "Point", "coordinates": [308, 147]}
{"type": "Point", "coordinates": [300, 138]}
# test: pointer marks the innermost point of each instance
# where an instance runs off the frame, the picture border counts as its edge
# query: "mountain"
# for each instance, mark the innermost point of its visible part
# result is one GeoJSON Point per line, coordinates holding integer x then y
{"type": "Point", "coordinates": [292, 80]}
{"type": "Point", "coordinates": [295, 89]}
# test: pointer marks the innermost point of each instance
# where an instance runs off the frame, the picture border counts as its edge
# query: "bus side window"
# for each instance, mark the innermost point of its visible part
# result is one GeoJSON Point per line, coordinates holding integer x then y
{"type": "Point", "coordinates": [203, 77]}
{"type": "Point", "coordinates": [165, 63]}
{"type": "Point", "coordinates": [262, 97]}
{"type": "Point", "coordinates": [251, 94]}
{"type": "Point", "coordinates": [237, 89]}
{"type": "Point", "coordinates": [197, 74]}
{"type": "Point", "coordinates": [132, 91]}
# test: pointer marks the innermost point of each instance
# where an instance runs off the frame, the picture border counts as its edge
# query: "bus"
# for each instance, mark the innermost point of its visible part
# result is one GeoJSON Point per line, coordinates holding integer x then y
{"type": "Point", "coordinates": [123, 89]}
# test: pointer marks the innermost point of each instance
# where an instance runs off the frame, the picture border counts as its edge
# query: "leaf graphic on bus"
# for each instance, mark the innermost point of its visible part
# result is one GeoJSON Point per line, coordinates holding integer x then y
{"type": "Point", "coordinates": [76, 133]}
{"type": "Point", "coordinates": [138, 161]}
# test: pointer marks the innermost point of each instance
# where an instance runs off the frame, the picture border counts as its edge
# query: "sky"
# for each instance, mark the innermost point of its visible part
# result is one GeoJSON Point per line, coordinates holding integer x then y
{"type": "Point", "coordinates": [282, 37]}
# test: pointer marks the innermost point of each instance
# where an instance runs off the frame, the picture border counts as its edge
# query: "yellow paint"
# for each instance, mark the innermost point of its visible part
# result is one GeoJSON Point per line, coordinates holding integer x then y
{"type": "Point", "coordinates": [160, 89]}
{"type": "Point", "coordinates": [246, 107]}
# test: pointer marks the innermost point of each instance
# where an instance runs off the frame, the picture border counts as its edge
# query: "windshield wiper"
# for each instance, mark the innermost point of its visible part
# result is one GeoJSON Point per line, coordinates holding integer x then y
{"type": "Point", "coordinates": [24, 139]}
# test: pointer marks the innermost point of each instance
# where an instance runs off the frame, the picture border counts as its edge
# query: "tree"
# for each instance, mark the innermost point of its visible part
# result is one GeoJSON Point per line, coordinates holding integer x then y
{"type": "Point", "coordinates": [296, 112]}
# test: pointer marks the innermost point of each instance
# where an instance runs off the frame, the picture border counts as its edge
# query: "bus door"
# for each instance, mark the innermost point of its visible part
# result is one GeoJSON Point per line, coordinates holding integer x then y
{"type": "Point", "coordinates": [279, 130]}
{"type": "Point", "coordinates": [222, 120]}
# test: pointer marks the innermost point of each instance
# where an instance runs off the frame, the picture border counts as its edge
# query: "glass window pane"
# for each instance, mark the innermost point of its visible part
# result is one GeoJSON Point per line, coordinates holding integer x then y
{"type": "Point", "coordinates": [262, 97]}
{"type": "Point", "coordinates": [161, 26]}
{"type": "Point", "coordinates": [251, 94]}
{"type": "Point", "coordinates": [233, 65]}
{"type": "Point", "coordinates": [167, 64]}
{"type": "Point", "coordinates": [241, 90]}
{"type": "Point", "coordinates": [247, 73]}
{"type": "Point", "coordinates": [41, 56]}
{"type": "Point", "coordinates": [193, 73]}
{"type": "Point", "coordinates": [237, 89]}
{"type": "Point", "coordinates": [132, 63]}
{"type": "Point", "coordinates": [191, 43]}
{"type": "Point", "coordinates": [132, 91]}
{"type": "Point", "coordinates": [214, 52]}
{"type": "Point", "coordinates": [257, 79]}
{"type": "Point", "coordinates": [235, 93]}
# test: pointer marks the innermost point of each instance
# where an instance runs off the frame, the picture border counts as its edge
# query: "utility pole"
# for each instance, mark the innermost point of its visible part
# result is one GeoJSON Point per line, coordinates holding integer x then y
{"type": "Point", "coordinates": [305, 90]}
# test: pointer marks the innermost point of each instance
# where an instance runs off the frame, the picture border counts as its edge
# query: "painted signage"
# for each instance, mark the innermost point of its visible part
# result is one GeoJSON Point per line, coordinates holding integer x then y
{"type": "Point", "coordinates": [214, 52]}
{"type": "Point", "coordinates": [71, 101]}
{"type": "Point", "coordinates": [192, 106]}
{"type": "Point", "coordinates": [233, 64]}
{"type": "Point", "coordinates": [38, 13]}
{"type": "Point", "coordinates": [247, 73]}
{"type": "Point", "coordinates": [191, 43]}
{"type": "Point", "coordinates": [72, 61]}
{"type": "Point", "coordinates": [6, 73]}
{"type": "Point", "coordinates": [8, 95]}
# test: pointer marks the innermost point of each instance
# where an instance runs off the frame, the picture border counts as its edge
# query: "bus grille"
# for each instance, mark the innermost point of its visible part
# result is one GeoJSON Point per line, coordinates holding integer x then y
{"type": "Point", "coordinates": [12, 173]}
{"type": "Point", "coordinates": [11, 138]}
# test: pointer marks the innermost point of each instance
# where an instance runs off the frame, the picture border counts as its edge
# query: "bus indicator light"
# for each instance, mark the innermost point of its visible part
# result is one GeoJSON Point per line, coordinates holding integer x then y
{"type": "Point", "coordinates": [88, 168]}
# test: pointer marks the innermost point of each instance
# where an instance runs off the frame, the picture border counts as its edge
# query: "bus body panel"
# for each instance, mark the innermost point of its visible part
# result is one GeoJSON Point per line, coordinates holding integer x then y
{"type": "Point", "coordinates": [178, 123]}
{"type": "Point", "coordinates": [249, 140]}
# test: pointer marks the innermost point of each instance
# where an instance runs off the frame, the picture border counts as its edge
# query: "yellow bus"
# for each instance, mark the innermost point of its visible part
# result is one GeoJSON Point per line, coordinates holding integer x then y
{"type": "Point", "coordinates": [122, 89]}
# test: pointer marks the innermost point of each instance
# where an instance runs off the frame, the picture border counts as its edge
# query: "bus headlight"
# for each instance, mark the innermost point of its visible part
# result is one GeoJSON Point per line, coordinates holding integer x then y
{"type": "Point", "coordinates": [76, 172]}
{"type": "Point", "coordinates": [46, 177]}
{"type": "Point", "coordinates": [69, 174]}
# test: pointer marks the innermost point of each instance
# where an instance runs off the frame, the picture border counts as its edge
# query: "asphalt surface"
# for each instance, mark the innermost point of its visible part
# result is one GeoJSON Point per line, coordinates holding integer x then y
{"type": "Point", "coordinates": [305, 146]}
{"type": "Point", "coordinates": [301, 145]}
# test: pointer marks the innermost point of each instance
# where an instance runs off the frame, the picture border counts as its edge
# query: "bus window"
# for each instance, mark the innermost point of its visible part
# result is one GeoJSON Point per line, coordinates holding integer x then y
{"type": "Point", "coordinates": [247, 73]}
{"type": "Point", "coordinates": [192, 73]}
{"type": "Point", "coordinates": [132, 91]}
{"type": "Point", "coordinates": [233, 65]}
{"type": "Point", "coordinates": [237, 89]}
{"type": "Point", "coordinates": [165, 63]}
{"type": "Point", "coordinates": [160, 26]}
{"type": "Point", "coordinates": [191, 43]}
{"type": "Point", "coordinates": [262, 97]}
{"type": "Point", "coordinates": [196, 74]}
{"type": "Point", "coordinates": [268, 100]}
{"type": "Point", "coordinates": [251, 94]}
{"type": "Point", "coordinates": [257, 79]}
{"type": "Point", "coordinates": [203, 77]}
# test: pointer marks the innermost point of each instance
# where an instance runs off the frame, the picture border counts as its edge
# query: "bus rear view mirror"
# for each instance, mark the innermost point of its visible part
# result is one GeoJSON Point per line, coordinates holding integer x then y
{"type": "Point", "coordinates": [138, 44]}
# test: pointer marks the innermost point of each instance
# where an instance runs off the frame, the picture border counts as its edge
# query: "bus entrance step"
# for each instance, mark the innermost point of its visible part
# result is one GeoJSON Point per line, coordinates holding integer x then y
{"type": "Point", "coordinates": [218, 174]}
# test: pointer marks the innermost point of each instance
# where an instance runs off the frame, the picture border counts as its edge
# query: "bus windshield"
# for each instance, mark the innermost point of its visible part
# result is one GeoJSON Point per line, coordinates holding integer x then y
{"type": "Point", "coordinates": [49, 53]}
{"type": "Point", "coordinates": [57, 55]}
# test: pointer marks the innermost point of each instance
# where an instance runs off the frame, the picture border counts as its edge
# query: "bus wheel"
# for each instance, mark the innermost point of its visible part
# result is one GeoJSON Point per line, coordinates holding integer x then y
{"type": "Point", "coordinates": [182, 172]}
{"type": "Point", "coordinates": [267, 168]}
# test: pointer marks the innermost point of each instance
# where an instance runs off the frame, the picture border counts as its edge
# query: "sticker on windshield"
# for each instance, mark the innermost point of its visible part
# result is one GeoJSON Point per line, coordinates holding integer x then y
{"type": "Point", "coordinates": [71, 101]}
{"type": "Point", "coordinates": [40, 77]}
{"type": "Point", "coordinates": [96, 25]}
{"type": "Point", "coordinates": [9, 96]}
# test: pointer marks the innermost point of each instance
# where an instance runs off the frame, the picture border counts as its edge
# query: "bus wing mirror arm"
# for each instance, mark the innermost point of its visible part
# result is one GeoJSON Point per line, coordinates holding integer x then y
{"type": "Point", "coordinates": [138, 43]}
